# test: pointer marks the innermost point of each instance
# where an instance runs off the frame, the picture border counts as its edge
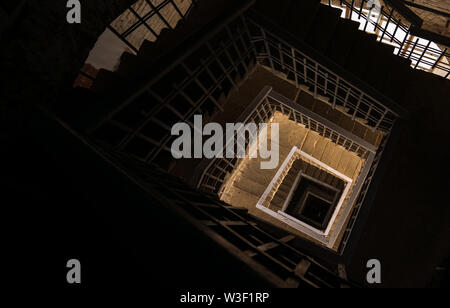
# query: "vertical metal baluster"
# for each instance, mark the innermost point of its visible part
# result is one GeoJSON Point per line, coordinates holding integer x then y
{"type": "Point", "coordinates": [439, 59]}
{"type": "Point", "coordinates": [280, 50]}
{"type": "Point", "coordinates": [336, 92]}
{"type": "Point", "coordinates": [247, 29]}
{"type": "Point", "coordinates": [294, 61]}
{"type": "Point", "coordinates": [387, 25]}
{"type": "Point", "coordinates": [361, 9]}
{"type": "Point", "coordinates": [157, 12]}
{"type": "Point", "coordinates": [305, 70]}
{"type": "Point", "coordinates": [403, 43]}
{"type": "Point", "coordinates": [413, 48]}
{"type": "Point", "coordinates": [357, 106]}
{"type": "Point", "coordinates": [423, 53]}
{"type": "Point", "coordinates": [381, 119]}
{"type": "Point", "coordinates": [368, 112]}
{"type": "Point", "coordinates": [266, 44]}
{"type": "Point", "coordinates": [347, 97]}
{"type": "Point", "coordinates": [368, 18]}
{"type": "Point", "coordinates": [380, 18]}
{"type": "Point", "coordinates": [316, 77]}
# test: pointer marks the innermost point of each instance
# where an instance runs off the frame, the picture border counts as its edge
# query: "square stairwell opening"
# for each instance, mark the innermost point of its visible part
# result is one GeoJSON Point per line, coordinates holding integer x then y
{"type": "Point", "coordinates": [321, 170]}
{"type": "Point", "coordinates": [313, 202]}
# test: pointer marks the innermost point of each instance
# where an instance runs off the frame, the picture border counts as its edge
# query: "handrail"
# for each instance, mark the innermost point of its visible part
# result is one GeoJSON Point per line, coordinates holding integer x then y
{"type": "Point", "coordinates": [267, 103]}
{"type": "Point", "coordinates": [326, 63]}
{"type": "Point", "coordinates": [192, 43]}
{"type": "Point", "coordinates": [425, 57]}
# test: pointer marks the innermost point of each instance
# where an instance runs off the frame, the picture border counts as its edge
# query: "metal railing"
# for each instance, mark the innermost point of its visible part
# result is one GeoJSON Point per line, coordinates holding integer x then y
{"type": "Point", "coordinates": [252, 241]}
{"type": "Point", "coordinates": [196, 83]}
{"type": "Point", "coordinates": [144, 20]}
{"type": "Point", "coordinates": [362, 195]}
{"type": "Point", "coordinates": [304, 69]}
{"type": "Point", "coordinates": [265, 105]}
{"type": "Point", "coordinates": [148, 18]}
{"type": "Point", "coordinates": [394, 29]}
{"type": "Point", "coordinates": [269, 251]}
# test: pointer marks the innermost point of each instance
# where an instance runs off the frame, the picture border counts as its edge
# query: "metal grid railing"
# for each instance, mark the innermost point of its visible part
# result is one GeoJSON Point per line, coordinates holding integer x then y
{"type": "Point", "coordinates": [271, 247]}
{"type": "Point", "coordinates": [302, 69]}
{"type": "Point", "coordinates": [362, 195]}
{"type": "Point", "coordinates": [198, 85]}
{"type": "Point", "coordinates": [266, 104]}
{"type": "Point", "coordinates": [145, 19]}
{"type": "Point", "coordinates": [392, 29]}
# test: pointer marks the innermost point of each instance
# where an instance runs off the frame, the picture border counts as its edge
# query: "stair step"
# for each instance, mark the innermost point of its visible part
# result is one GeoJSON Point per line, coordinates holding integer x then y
{"type": "Point", "coordinates": [342, 40]}
{"type": "Point", "coordinates": [129, 66]}
{"type": "Point", "coordinates": [277, 203]}
{"type": "Point", "coordinates": [378, 67]}
{"type": "Point", "coordinates": [239, 197]}
{"type": "Point", "coordinates": [300, 17]}
{"type": "Point", "coordinates": [106, 82]}
{"type": "Point", "coordinates": [266, 8]}
{"type": "Point", "coordinates": [323, 27]}
{"type": "Point", "coordinates": [360, 53]}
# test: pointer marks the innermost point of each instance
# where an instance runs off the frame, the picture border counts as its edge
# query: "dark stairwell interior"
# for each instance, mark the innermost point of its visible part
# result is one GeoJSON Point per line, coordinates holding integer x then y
{"type": "Point", "coordinates": [411, 211]}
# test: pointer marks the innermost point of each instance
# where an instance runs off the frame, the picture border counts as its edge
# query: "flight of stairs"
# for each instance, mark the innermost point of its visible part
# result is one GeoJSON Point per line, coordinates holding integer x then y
{"type": "Point", "coordinates": [249, 182]}
{"type": "Point", "coordinates": [318, 25]}
{"type": "Point", "coordinates": [84, 108]}
{"type": "Point", "coordinates": [359, 53]}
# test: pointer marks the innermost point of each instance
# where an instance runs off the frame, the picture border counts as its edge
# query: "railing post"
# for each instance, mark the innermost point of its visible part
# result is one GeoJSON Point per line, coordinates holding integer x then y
{"type": "Point", "coordinates": [387, 25]}
{"type": "Point", "coordinates": [131, 46]}
{"type": "Point", "coordinates": [357, 106]}
{"type": "Point", "coordinates": [439, 59]}
{"type": "Point", "coordinates": [294, 61]}
{"type": "Point", "coordinates": [305, 70]}
{"type": "Point", "coordinates": [423, 53]}
{"type": "Point", "coordinates": [336, 92]}
{"type": "Point", "coordinates": [157, 12]}
{"type": "Point", "coordinates": [381, 120]}
{"type": "Point", "coordinates": [361, 9]}
{"type": "Point", "coordinates": [400, 49]}
{"type": "Point", "coordinates": [280, 50]}
{"type": "Point", "coordinates": [395, 31]}
{"type": "Point", "coordinates": [266, 44]}
{"type": "Point", "coordinates": [413, 48]}
{"type": "Point", "coordinates": [316, 77]}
